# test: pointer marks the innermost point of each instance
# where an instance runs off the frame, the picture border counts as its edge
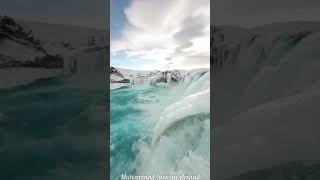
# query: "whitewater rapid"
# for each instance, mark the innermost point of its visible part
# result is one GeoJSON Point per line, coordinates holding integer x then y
{"type": "Point", "coordinates": [170, 126]}
{"type": "Point", "coordinates": [193, 104]}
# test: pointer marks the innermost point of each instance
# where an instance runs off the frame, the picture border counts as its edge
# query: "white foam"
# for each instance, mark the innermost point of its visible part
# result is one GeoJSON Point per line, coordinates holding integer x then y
{"type": "Point", "coordinates": [173, 154]}
{"type": "Point", "coordinates": [190, 105]}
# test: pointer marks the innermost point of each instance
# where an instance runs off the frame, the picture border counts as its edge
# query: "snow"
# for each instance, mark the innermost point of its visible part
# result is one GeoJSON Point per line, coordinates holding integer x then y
{"type": "Point", "coordinates": [114, 86]}
{"type": "Point", "coordinates": [76, 35]}
{"type": "Point", "coordinates": [10, 48]}
{"type": "Point", "coordinates": [266, 98]}
{"type": "Point", "coordinates": [153, 77]}
{"type": "Point", "coordinates": [115, 77]}
{"type": "Point", "coordinates": [89, 58]}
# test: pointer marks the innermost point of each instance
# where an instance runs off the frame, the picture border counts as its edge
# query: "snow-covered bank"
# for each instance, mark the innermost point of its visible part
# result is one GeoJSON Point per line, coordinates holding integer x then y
{"type": "Point", "coordinates": [32, 50]}
{"type": "Point", "coordinates": [114, 86]}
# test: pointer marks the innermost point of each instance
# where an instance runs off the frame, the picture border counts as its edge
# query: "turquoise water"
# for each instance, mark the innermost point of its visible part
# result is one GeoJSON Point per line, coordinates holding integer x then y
{"type": "Point", "coordinates": [48, 128]}
{"type": "Point", "coordinates": [184, 146]}
{"type": "Point", "coordinates": [53, 130]}
{"type": "Point", "coordinates": [129, 123]}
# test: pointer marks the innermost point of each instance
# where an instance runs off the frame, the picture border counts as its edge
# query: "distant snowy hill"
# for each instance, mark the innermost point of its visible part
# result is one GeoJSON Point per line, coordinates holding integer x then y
{"type": "Point", "coordinates": [55, 49]}
{"type": "Point", "coordinates": [266, 96]}
{"type": "Point", "coordinates": [15, 38]}
{"type": "Point", "coordinates": [59, 38]}
{"type": "Point", "coordinates": [117, 77]}
{"type": "Point", "coordinates": [37, 40]}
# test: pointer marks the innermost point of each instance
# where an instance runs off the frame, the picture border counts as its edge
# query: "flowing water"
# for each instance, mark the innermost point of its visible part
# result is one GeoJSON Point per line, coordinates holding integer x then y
{"type": "Point", "coordinates": [161, 130]}
{"type": "Point", "coordinates": [53, 126]}
{"type": "Point", "coordinates": [50, 127]}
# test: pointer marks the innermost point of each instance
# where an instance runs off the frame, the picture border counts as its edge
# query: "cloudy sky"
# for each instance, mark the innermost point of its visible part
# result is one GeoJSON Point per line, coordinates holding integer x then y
{"type": "Point", "coordinates": [160, 34]}
{"type": "Point", "coordinates": [249, 13]}
{"type": "Point", "coordinates": [89, 13]}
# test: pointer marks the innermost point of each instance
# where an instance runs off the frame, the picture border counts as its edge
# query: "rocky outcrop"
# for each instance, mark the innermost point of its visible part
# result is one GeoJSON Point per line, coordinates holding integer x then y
{"type": "Point", "coordinates": [116, 72]}
{"type": "Point", "coordinates": [117, 77]}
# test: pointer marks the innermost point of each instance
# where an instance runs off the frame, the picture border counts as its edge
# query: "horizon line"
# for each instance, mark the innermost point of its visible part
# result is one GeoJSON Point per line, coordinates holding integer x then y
{"type": "Point", "coordinates": [158, 69]}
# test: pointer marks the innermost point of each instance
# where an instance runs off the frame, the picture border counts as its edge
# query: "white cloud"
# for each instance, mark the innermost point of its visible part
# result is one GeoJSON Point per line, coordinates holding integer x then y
{"type": "Point", "coordinates": [175, 34]}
